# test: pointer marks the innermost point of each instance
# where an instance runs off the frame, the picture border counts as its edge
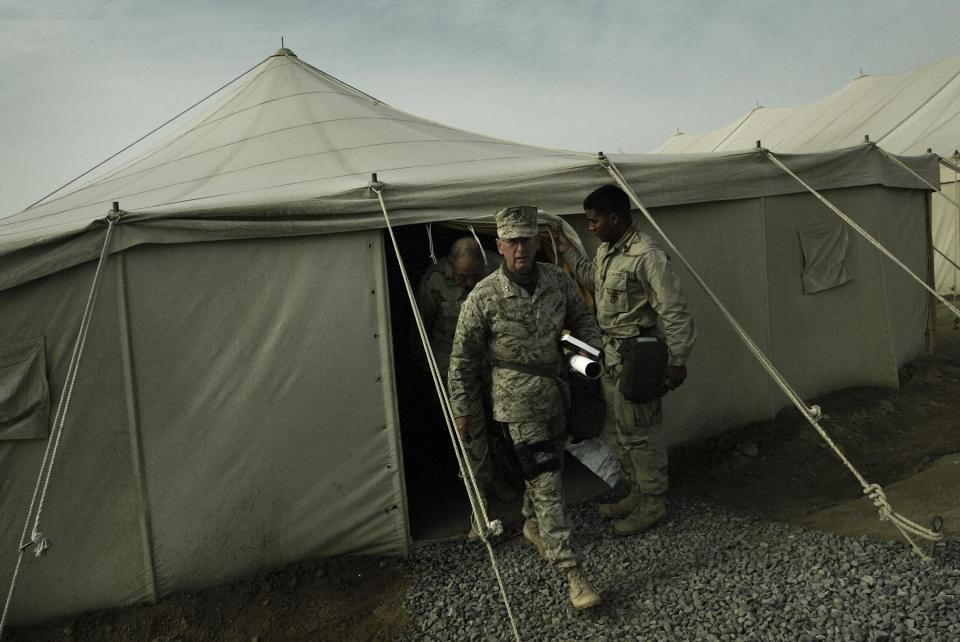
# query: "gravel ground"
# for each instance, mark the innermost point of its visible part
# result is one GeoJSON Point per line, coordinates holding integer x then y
{"type": "Point", "coordinates": [705, 574]}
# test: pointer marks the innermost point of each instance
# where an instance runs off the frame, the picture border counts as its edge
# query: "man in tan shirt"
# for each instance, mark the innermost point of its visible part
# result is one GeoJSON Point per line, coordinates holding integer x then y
{"type": "Point", "coordinates": [637, 294]}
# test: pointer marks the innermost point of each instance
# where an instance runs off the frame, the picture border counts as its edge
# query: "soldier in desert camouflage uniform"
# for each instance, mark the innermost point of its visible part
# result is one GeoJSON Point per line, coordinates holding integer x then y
{"type": "Point", "coordinates": [637, 293]}
{"type": "Point", "coordinates": [515, 318]}
{"type": "Point", "coordinates": [442, 290]}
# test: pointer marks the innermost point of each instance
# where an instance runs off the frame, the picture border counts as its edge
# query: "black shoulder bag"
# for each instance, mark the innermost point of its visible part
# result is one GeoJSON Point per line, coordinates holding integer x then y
{"type": "Point", "coordinates": [644, 363]}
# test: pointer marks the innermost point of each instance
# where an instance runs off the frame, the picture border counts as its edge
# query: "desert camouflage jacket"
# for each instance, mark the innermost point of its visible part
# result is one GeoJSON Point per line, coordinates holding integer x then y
{"type": "Point", "coordinates": [501, 320]}
{"type": "Point", "coordinates": [439, 298]}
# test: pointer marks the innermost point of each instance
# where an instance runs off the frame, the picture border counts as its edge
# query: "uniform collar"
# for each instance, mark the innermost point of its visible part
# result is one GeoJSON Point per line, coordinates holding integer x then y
{"type": "Point", "coordinates": [623, 243]}
{"type": "Point", "coordinates": [628, 237]}
{"type": "Point", "coordinates": [508, 285]}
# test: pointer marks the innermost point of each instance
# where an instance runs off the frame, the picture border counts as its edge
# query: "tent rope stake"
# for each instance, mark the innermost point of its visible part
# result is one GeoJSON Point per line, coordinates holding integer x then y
{"type": "Point", "coordinates": [862, 232]}
{"type": "Point", "coordinates": [37, 538]}
{"type": "Point", "coordinates": [479, 516]}
{"type": "Point", "coordinates": [812, 414]}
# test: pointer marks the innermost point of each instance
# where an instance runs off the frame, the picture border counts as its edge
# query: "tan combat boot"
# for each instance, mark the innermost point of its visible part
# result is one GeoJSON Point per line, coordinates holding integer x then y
{"type": "Point", "coordinates": [651, 510]}
{"type": "Point", "coordinates": [531, 533]}
{"type": "Point", "coordinates": [624, 507]}
{"type": "Point", "coordinates": [582, 595]}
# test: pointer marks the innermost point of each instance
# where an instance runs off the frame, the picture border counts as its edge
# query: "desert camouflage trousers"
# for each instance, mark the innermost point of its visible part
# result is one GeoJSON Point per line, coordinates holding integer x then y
{"type": "Point", "coordinates": [543, 497]}
{"type": "Point", "coordinates": [634, 432]}
{"type": "Point", "coordinates": [478, 452]}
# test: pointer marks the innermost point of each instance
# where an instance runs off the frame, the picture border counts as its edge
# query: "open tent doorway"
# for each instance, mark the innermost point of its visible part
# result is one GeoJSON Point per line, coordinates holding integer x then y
{"type": "Point", "coordinates": [437, 501]}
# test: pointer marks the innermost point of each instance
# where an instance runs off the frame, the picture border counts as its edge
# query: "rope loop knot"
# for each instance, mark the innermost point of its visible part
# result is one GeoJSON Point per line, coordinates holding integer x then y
{"type": "Point", "coordinates": [879, 499]}
{"type": "Point", "coordinates": [40, 544]}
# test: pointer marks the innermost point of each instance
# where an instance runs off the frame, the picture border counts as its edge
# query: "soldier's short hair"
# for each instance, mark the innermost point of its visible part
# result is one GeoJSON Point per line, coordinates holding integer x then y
{"type": "Point", "coordinates": [608, 199]}
{"type": "Point", "coordinates": [466, 247]}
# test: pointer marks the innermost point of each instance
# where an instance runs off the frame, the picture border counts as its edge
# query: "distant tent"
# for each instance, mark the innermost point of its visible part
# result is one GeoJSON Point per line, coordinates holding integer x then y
{"type": "Point", "coordinates": [905, 113]}
{"type": "Point", "coordinates": [237, 406]}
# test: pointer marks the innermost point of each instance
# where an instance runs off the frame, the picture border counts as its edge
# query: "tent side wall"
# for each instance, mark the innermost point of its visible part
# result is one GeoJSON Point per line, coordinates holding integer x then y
{"type": "Point", "coordinates": [904, 232]}
{"type": "Point", "coordinates": [946, 237]}
{"type": "Point", "coordinates": [92, 510]}
{"type": "Point", "coordinates": [259, 427]}
{"type": "Point", "coordinates": [724, 242]}
{"type": "Point", "coordinates": [749, 253]}
{"type": "Point", "coordinates": [842, 336]}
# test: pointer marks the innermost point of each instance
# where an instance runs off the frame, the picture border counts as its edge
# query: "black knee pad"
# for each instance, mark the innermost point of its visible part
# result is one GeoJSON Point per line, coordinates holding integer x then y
{"type": "Point", "coordinates": [530, 468]}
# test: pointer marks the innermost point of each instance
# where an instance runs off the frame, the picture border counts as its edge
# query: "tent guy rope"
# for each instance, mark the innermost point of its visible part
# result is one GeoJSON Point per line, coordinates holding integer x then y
{"type": "Point", "coordinates": [433, 255]}
{"type": "Point", "coordinates": [943, 194]}
{"type": "Point", "coordinates": [478, 511]}
{"type": "Point", "coordinates": [37, 538]}
{"type": "Point", "coordinates": [946, 258]}
{"type": "Point", "coordinates": [476, 238]}
{"type": "Point", "coordinates": [812, 414]}
{"type": "Point", "coordinates": [149, 133]}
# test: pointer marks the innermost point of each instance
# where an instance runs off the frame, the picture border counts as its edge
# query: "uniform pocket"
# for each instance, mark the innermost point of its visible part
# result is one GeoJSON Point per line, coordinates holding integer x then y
{"type": "Point", "coordinates": [510, 339]}
{"type": "Point", "coordinates": [615, 291]}
{"type": "Point", "coordinates": [511, 328]}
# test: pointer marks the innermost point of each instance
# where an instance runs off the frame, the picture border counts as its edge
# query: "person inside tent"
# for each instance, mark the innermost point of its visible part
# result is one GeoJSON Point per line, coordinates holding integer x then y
{"type": "Point", "coordinates": [640, 307]}
{"type": "Point", "coordinates": [442, 290]}
{"type": "Point", "coordinates": [514, 318]}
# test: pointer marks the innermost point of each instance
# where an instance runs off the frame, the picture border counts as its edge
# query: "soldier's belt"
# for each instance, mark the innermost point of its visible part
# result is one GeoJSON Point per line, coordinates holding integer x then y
{"type": "Point", "coordinates": [528, 368]}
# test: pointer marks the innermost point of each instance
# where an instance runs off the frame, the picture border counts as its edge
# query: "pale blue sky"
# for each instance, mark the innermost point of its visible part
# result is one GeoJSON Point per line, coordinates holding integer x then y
{"type": "Point", "coordinates": [81, 79]}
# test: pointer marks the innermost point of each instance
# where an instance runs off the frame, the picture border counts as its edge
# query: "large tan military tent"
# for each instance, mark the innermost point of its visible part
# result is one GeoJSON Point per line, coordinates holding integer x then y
{"type": "Point", "coordinates": [904, 113]}
{"type": "Point", "coordinates": [236, 406]}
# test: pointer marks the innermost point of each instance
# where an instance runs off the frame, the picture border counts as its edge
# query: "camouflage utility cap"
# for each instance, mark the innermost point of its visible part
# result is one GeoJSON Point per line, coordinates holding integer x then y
{"type": "Point", "coordinates": [516, 222]}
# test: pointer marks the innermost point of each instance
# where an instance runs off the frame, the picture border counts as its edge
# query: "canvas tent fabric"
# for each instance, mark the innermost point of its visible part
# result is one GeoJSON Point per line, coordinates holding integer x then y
{"type": "Point", "coordinates": [237, 406]}
{"type": "Point", "coordinates": [291, 150]}
{"type": "Point", "coordinates": [946, 230]}
{"type": "Point", "coordinates": [904, 113]}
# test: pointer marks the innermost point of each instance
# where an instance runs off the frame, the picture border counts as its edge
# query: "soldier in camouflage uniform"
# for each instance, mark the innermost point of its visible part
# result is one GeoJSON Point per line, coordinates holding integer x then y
{"type": "Point", "coordinates": [515, 318]}
{"type": "Point", "coordinates": [637, 293]}
{"type": "Point", "coordinates": [443, 289]}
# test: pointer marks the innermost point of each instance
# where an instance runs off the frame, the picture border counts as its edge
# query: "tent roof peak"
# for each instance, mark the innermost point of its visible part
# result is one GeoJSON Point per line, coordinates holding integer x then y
{"type": "Point", "coordinates": [283, 51]}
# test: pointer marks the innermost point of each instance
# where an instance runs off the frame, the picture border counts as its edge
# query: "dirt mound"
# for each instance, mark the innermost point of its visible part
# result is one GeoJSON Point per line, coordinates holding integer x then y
{"type": "Point", "coordinates": [783, 470]}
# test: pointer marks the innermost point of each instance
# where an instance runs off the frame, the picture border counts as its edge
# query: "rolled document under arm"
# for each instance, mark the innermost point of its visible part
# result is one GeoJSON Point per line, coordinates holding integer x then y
{"type": "Point", "coordinates": [584, 365]}
{"type": "Point", "coordinates": [581, 356]}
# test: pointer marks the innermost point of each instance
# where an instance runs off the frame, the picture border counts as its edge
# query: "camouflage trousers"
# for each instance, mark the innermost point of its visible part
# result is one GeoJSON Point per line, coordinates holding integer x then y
{"type": "Point", "coordinates": [634, 432]}
{"type": "Point", "coordinates": [543, 497]}
{"type": "Point", "coordinates": [478, 452]}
